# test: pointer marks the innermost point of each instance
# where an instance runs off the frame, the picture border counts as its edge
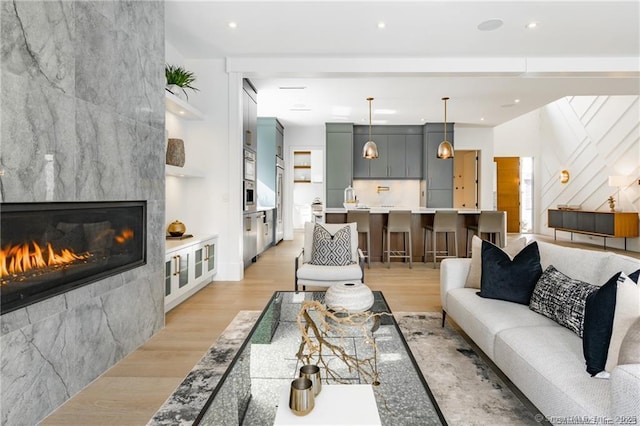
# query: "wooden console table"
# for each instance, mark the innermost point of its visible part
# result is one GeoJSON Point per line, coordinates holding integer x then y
{"type": "Point", "coordinates": [601, 224]}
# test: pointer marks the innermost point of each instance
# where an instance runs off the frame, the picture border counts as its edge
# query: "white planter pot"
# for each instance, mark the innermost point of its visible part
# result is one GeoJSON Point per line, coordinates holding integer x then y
{"type": "Point", "coordinates": [352, 297]}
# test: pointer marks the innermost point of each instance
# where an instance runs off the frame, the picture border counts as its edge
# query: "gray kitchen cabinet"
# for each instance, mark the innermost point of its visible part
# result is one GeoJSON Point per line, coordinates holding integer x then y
{"type": "Point", "coordinates": [400, 152]}
{"type": "Point", "coordinates": [414, 156]}
{"type": "Point", "coordinates": [360, 164]}
{"type": "Point", "coordinates": [438, 172]}
{"type": "Point", "coordinates": [378, 168]}
{"type": "Point", "coordinates": [249, 115]}
{"type": "Point", "coordinates": [396, 156]}
{"type": "Point", "coordinates": [339, 161]}
{"type": "Point", "coordinates": [279, 140]}
{"type": "Point", "coordinates": [269, 131]}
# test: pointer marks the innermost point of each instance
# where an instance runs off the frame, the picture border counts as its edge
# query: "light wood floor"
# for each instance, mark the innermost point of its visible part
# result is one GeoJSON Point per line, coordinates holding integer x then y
{"type": "Point", "coordinates": [133, 390]}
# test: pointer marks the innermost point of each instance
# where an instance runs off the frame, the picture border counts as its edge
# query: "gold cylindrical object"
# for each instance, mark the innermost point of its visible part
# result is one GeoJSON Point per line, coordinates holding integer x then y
{"type": "Point", "coordinates": [312, 372]}
{"type": "Point", "coordinates": [301, 396]}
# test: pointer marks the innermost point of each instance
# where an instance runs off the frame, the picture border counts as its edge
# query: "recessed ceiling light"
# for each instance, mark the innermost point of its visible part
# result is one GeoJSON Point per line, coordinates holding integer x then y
{"type": "Point", "coordinates": [490, 25]}
{"type": "Point", "coordinates": [181, 112]}
{"type": "Point", "coordinates": [481, 118]}
{"type": "Point", "coordinates": [516, 101]}
{"type": "Point", "coordinates": [422, 119]}
{"type": "Point", "coordinates": [232, 24]}
{"type": "Point", "coordinates": [531, 25]}
{"type": "Point", "coordinates": [381, 25]}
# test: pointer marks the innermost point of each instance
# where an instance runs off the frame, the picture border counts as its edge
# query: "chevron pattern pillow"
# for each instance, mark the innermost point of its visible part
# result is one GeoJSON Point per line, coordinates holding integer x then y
{"type": "Point", "coordinates": [331, 250]}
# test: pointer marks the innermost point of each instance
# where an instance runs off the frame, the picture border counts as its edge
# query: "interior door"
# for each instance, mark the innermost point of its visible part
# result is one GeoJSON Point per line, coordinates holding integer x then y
{"type": "Point", "coordinates": [465, 179]}
{"type": "Point", "coordinates": [508, 190]}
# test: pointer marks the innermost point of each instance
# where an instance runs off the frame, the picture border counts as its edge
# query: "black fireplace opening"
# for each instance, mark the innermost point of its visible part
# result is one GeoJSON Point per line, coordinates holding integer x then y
{"type": "Point", "coordinates": [50, 248]}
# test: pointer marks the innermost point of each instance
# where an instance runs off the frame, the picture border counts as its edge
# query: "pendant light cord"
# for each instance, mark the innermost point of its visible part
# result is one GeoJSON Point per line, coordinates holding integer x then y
{"type": "Point", "coordinates": [445, 117]}
{"type": "Point", "coordinates": [369, 99]}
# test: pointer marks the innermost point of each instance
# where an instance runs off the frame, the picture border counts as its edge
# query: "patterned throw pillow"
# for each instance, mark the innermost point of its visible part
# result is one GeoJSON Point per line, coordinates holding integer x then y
{"type": "Point", "coordinates": [331, 250]}
{"type": "Point", "coordinates": [562, 299]}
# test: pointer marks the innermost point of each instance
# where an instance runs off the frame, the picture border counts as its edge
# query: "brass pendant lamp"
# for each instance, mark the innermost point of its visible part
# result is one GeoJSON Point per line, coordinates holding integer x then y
{"type": "Point", "coordinates": [445, 149]}
{"type": "Point", "coordinates": [370, 150]}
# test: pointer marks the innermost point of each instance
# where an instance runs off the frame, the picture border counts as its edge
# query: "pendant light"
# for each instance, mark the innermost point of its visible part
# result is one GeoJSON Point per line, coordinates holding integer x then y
{"type": "Point", "coordinates": [370, 150]}
{"type": "Point", "coordinates": [445, 149]}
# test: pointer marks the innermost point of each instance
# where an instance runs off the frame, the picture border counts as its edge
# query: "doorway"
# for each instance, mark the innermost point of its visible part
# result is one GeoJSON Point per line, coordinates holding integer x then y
{"type": "Point", "coordinates": [307, 183]}
{"type": "Point", "coordinates": [465, 180]}
{"type": "Point", "coordinates": [514, 192]}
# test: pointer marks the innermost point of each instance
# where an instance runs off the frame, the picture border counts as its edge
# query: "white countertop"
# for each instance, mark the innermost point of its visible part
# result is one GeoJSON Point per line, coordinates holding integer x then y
{"type": "Point", "coordinates": [171, 245]}
{"type": "Point", "coordinates": [415, 210]}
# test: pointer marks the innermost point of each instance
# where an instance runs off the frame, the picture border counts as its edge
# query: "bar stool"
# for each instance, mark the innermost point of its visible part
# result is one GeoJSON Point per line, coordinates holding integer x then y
{"type": "Point", "coordinates": [491, 223]}
{"type": "Point", "coordinates": [444, 221]}
{"type": "Point", "coordinates": [361, 218]}
{"type": "Point", "coordinates": [398, 221]}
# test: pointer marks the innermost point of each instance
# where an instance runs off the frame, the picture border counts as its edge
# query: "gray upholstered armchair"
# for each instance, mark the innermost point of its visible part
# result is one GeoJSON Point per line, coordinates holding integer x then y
{"type": "Point", "coordinates": [331, 257]}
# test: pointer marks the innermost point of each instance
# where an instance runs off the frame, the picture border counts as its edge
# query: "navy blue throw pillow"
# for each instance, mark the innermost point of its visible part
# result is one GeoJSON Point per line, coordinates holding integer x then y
{"type": "Point", "coordinates": [506, 279]}
{"type": "Point", "coordinates": [598, 325]}
{"type": "Point", "coordinates": [635, 276]}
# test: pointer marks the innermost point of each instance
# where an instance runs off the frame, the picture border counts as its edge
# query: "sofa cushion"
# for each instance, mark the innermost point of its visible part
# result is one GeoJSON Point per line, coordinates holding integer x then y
{"type": "Point", "coordinates": [475, 273]}
{"type": "Point", "coordinates": [625, 387]}
{"type": "Point", "coordinates": [598, 325]}
{"type": "Point", "coordinates": [580, 264]}
{"type": "Point", "coordinates": [481, 319]}
{"type": "Point", "coordinates": [328, 273]}
{"type": "Point", "coordinates": [630, 346]}
{"type": "Point", "coordinates": [507, 279]}
{"type": "Point", "coordinates": [331, 250]}
{"type": "Point", "coordinates": [547, 365]}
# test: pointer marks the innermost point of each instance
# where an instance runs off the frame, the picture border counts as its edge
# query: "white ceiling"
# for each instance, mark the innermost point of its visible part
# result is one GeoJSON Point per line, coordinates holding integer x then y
{"type": "Point", "coordinates": [428, 49]}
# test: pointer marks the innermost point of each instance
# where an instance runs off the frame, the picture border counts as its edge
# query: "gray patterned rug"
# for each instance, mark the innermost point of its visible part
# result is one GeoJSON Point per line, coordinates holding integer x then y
{"type": "Point", "coordinates": [467, 390]}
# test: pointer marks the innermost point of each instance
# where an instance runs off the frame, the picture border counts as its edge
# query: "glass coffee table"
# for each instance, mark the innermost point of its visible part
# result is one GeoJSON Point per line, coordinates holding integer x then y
{"type": "Point", "coordinates": [251, 389]}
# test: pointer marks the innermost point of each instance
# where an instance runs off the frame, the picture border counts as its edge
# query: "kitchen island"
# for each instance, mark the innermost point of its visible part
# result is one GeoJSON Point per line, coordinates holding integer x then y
{"type": "Point", "coordinates": [420, 217]}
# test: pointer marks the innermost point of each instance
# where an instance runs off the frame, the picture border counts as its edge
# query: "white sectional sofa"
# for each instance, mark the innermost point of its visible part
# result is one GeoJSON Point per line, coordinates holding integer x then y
{"type": "Point", "coordinates": [543, 359]}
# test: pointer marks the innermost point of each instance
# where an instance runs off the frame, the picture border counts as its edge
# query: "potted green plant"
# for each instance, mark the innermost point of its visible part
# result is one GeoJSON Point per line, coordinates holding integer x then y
{"type": "Point", "coordinates": [179, 79]}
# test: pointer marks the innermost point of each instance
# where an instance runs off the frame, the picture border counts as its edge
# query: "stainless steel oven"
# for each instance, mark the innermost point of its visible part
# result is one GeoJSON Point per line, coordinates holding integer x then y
{"type": "Point", "coordinates": [249, 195]}
{"type": "Point", "coordinates": [249, 165]}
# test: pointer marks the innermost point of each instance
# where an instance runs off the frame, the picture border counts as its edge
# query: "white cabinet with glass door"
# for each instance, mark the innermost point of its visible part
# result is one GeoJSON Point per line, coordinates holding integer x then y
{"type": "Point", "coordinates": [189, 266]}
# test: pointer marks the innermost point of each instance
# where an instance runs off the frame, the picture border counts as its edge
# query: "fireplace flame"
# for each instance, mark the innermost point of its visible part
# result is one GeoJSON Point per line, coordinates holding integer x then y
{"type": "Point", "coordinates": [124, 236]}
{"type": "Point", "coordinates": [16, 259]}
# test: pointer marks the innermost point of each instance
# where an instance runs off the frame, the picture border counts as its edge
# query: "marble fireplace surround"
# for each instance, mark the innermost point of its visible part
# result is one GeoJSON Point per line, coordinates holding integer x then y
{"type": "Point", "coordinates": [82, 85]}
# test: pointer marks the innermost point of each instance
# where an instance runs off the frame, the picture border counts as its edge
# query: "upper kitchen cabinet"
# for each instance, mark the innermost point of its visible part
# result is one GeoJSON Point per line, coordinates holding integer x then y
{"type": "Point", "coordinates": [339, 161]}
{"type": "Point", "coordinates": [249, 115]}
{"type": "Point", "coordinates": [439, 173]}
{"type": "Point", "coordinates": [270, 130]}
{"type": "Point", "coordinates": [399, 149]}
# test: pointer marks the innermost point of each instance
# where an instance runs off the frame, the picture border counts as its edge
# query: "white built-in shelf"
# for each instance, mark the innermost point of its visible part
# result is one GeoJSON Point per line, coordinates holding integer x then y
{"type": "Point", "coordinates": [183, 172]}
{"type": "Point", "coordinates": [181, 108]}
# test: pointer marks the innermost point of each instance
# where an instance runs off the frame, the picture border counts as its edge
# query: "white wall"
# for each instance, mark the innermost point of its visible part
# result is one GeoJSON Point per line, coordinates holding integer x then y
{"type": "Point", "coordinates": [593, 137]}
{"type": "Point", "coordinates": [211, 203]}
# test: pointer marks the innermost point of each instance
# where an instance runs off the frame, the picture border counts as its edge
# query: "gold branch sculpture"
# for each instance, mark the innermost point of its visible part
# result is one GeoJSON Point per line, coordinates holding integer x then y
{"type": "Point", "coordinates": [336, 324]}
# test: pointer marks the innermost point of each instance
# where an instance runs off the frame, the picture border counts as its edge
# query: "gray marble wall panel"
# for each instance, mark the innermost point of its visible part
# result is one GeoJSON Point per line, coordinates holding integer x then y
{"type": "Point", "coordinates": [82, 120]}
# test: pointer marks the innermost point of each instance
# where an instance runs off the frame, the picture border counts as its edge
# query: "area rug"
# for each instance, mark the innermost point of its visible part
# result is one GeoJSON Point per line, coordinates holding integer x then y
{"type": "Point", "coordinates": [466, 389]}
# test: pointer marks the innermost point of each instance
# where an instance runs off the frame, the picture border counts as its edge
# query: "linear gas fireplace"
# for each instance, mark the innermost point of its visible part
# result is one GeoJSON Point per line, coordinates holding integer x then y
{"type": "Point", "coordinates": [50, 248]}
